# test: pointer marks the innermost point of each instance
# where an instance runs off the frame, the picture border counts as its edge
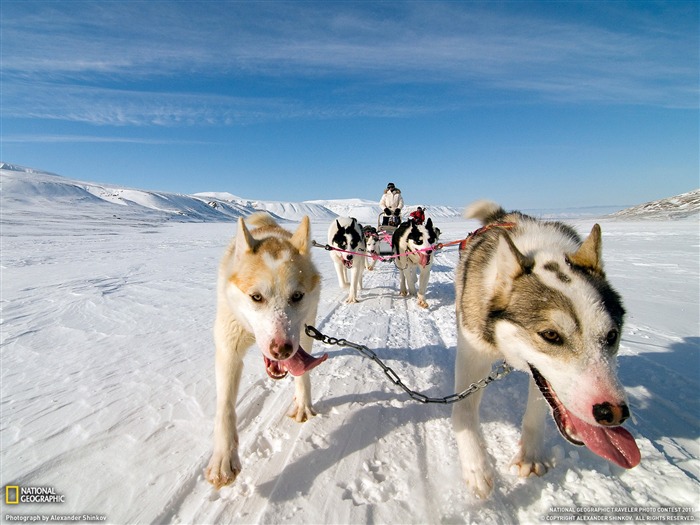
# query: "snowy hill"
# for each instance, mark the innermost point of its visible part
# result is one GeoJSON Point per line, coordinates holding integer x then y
{"type": "Point", "coordinates": [30, 191]}
{"type": "Point", "coordinates": [678, 207]}
{"type": "Point", "coordinates": [50, 192]}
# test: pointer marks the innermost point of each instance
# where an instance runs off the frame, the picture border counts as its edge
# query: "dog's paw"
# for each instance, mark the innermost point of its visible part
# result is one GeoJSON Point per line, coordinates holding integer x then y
{"type": "Point", "coordinates": [222, 469]}
{"type": "Point", "coordinates": [403, 293]}
{"type": "Point", "coordinates": [422, 303]}
{"type": "Point", "coordinates": [351, 300]}
{"type": "Point", "coordinates": [525, 466]}
{"type": "Point", "coordinates": [479, 481]}
{"type": "Point", "coordinates": [301, 412]}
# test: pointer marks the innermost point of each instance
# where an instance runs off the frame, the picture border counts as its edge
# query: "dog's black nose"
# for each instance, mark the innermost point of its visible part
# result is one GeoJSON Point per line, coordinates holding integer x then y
{"type": "Point", "coordinates": [349, 257]}
{"type": "Point", "coordinates": [281, 352]}
{"type": "Point", "coordinates": [610, 415]}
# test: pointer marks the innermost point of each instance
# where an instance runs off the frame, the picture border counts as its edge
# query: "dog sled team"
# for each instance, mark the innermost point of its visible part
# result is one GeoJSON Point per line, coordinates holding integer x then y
{"type": "Point", "coordinates": [527, 291]}
{"type": "Point", "coordinates": [410, 245]}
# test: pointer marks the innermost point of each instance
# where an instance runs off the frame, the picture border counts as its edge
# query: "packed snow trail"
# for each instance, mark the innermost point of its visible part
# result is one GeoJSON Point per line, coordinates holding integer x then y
{"type": "Point", "coordinates": [108, 386]}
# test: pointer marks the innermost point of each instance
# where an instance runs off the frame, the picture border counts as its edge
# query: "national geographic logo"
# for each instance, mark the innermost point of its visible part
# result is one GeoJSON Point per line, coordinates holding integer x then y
{"type": "Point", "coordinates": [14, 495]}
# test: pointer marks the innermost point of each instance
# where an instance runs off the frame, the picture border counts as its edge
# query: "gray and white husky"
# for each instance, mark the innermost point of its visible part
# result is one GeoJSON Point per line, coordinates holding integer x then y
{"type": "Point", "coordinates": [534, 294]}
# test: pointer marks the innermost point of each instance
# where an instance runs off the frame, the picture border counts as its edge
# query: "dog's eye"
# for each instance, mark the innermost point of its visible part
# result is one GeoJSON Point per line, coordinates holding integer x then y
{"type": "Point", "coordinates": [611, 337]}
{"type": "Point", "coordinates": [256, 297]}
{"type": "Point", "coordinates": [551, 336]}
{"type": "Point", "coordinates": [297, 296]}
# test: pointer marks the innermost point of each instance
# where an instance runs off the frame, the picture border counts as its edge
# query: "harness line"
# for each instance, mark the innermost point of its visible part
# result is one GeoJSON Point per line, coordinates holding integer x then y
{"type": "Point", "coordinates": [502, 370]}
{"type": "Point", "coordinates": [433, 247]}
{"type": "Point", "coordinates": [375, 256]}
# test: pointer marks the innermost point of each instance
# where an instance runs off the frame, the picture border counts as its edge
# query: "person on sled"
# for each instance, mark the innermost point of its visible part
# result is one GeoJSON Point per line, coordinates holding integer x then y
{"type": "Point", "coordinates": [391, 202]}
{"type": "Point", "coordinates": [418, 216]}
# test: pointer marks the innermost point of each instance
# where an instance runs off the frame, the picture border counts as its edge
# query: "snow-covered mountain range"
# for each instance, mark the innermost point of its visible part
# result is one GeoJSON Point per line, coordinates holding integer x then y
{"type": "Point", "coordinates": [31, 186]}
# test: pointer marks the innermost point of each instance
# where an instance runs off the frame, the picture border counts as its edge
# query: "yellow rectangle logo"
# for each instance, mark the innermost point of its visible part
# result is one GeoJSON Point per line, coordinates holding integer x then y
{"type": "Point", "coordinates": [9, 500]}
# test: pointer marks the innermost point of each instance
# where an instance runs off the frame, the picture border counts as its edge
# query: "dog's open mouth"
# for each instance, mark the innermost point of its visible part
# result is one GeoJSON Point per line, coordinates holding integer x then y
{"type": "Point", "coordinates": [424, 259]}
{"type": "Point", "coordinates": [347, 263]}
{"type": "Point", "coordinates": [612, 443]}
{"type": "Point", "coordinates": [297, 365]}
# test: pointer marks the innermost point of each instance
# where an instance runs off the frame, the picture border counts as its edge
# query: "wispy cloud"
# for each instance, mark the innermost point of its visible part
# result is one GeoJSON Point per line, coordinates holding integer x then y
{"type": "Point", "coordinates": [87, 139]}
{"type": "Point", "coordinates": [117, 107]}
{"type": "Point", "coordinates": [126, 63]}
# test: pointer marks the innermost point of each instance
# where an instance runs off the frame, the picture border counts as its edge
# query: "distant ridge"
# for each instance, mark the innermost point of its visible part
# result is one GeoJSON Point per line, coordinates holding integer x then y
{"type": "Point", "coordinates": [679, 207]}
{"type": "Point", "coordinates": [22, 169]}
{"type": "Point", "coordinates": [37, 191]}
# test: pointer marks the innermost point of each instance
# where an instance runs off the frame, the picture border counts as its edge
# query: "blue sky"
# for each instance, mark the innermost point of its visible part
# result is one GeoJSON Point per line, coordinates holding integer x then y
{"type": "Point", "coordinates": [533, 104]}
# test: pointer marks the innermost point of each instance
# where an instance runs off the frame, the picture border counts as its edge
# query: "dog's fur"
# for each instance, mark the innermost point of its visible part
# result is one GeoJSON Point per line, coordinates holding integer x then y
{"type": "Point", "coordinates": [345, 233]}
{"type": "Point", "coordinates": [533, 294]}
{"type": "Point", "coordinates": [268, 288]}
{"type": "Point", "coordinates": [410, 237]}
{"type": "Point", "coordinates": [371, 246]}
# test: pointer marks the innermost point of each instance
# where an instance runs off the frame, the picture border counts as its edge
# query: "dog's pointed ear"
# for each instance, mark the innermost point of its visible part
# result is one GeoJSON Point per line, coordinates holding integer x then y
{"type": "Point", "coordinates": [589, 255]}
{"type": "Point", "coordinates": [301, 239]}
{"type": "Point", "coordinates": [510, 264]}
{"type": "Point", "coordinates": [429, 224]}
{"type": "Point", "coordinates": [244, 240]}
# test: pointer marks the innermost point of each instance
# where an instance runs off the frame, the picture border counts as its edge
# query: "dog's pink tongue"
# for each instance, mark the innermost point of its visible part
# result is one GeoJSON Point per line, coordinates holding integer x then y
{"type": "Point", "coordinates": [301, 362]}
{"type": "Point", "coordinates": [424, 259]}
{"type": "Point", "coordinates": [612, 443]}
{"type": "Point", "coordinates": [297, 365]}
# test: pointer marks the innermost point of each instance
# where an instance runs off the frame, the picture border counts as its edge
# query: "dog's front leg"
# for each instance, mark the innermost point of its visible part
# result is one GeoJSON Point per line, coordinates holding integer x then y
{"type": "Point", "coordinates": [411, 278]}
{"type": "Point", "coordinates": [340, 271]}
{"type": "Point", "coordinates": [423, 286]}
{"type": "Point", "coordinates": [400, 263]}
{"type": "Point", "coordinates": [529, 459]}
{"type": "Point", "coordinates": [225, 464]}
{"type": "Point", "coordinates": [356, 283]}
{"type": "Point", "coordinates": [302, 410]}
{"type": "Point", "coordinates": [470, 366]}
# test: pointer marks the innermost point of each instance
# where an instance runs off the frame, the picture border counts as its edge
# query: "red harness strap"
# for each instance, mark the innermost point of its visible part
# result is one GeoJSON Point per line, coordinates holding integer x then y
{"type": "Point", "coordinates": [505, 225]}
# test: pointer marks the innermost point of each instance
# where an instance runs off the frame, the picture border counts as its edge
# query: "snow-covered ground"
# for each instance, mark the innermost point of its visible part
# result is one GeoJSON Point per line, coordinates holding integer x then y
{"type": "Point", "coordinates": [108, 386]}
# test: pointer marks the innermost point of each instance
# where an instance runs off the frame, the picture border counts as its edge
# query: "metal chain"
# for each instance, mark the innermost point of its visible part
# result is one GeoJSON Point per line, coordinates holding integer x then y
{"type": "Point", "coordinates": [502, 370]}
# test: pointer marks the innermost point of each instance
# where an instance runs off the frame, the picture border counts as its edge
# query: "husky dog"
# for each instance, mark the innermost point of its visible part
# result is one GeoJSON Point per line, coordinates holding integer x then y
{"type": "Point", "coordinates": [267, 289]}
{"type": "Point", "coordinates": [371, 246]}
{"type": "Point", "coordinates": [345, 234]}
{"type": "Point", "coordinates": [408, 238]}
{"type": "Point", "coordinates": [532, 293]}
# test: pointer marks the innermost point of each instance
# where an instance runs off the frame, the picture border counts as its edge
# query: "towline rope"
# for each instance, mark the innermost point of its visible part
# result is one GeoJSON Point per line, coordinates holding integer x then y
{"type": "Point", "coordinates": [502, 370]}
{"type": "Point", "coordinates": [375, 256]}
{"type": "Point", "coordinates": [433, 247]}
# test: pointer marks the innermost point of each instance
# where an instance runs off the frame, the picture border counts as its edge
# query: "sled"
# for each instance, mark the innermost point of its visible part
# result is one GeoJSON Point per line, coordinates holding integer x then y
{"type": "Point", "coordinates": [385, 231]}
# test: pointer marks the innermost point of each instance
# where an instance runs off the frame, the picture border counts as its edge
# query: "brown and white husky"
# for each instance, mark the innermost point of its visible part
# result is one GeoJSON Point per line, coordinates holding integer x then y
{"type": "Point", "coordinates": [268, 289]}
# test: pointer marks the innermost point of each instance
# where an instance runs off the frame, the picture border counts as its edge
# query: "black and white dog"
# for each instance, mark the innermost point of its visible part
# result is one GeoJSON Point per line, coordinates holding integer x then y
{"type": "Point", "coordinates": [413, 245]}
{"type": "Point", "coordinates": [346, 236]}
